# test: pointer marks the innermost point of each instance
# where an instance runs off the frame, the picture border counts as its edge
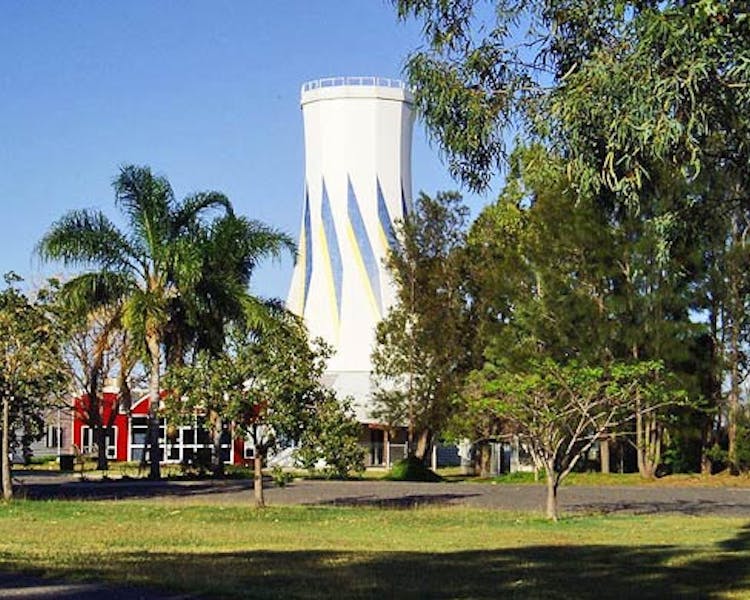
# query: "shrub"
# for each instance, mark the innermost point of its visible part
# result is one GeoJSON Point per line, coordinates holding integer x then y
{"type": "Point", "coordinates": [412, 469]}
{"type": "Point", "coordinates": [281, 477]}
{"type": "Point", "coordinates": [332, 440]}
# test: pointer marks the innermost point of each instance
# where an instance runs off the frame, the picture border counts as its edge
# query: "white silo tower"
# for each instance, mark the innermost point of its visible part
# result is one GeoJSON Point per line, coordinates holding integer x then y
{"type": "Point", "coordinates": [357, 184]}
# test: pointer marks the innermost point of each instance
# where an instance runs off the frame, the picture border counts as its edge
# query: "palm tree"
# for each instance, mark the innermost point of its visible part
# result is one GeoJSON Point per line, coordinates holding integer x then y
{"type": "Point", "coordinates": [230, 249]}
{"type": "Point", "coordinates": [152, 270]}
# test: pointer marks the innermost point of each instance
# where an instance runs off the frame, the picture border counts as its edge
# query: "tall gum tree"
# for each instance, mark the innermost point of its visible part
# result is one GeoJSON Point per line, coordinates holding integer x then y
{"type": "Point", "coordinates": [423, 343]}
{"type": "Point", "coordinates": [627, 91]}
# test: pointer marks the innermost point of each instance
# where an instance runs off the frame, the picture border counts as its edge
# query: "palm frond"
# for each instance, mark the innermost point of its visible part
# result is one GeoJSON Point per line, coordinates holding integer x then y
{"type": "Point", "coordinates": [143, 312]}
{"type": "Point", "coordinates": [92, 292]}
{"type": "Point", "coordinates": [239, 244]}
{"type": "Point", "coordinates": [87, 238]}
{"type": "Point", "coordinates": [148, 202]}
{"type": "Point", "coordinates": [192, 206]}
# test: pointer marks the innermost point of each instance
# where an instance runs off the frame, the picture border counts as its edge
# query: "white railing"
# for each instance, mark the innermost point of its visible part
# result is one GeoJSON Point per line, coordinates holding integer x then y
{"type": "Point", "coordinates": [356, 81]}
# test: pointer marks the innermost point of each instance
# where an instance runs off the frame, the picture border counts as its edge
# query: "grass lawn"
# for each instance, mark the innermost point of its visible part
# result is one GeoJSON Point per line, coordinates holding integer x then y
{"type": "Point", "coordinates": [723, 479]}
{"type": "Point", "coordinates": [226, 550]}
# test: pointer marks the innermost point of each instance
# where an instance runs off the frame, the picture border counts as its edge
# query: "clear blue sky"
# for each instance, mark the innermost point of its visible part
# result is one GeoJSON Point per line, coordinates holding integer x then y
{"type": "Point", "coordinates": [205, 92]}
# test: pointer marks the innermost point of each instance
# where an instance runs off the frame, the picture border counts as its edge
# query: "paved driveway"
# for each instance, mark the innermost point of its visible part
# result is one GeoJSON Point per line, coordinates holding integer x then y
{"type": "Point", "coordinates": [602, 499]}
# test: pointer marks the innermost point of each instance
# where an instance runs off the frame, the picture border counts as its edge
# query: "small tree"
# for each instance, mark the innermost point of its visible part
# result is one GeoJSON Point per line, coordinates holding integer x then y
{"type": "Point", "coordinates": [31, 368]}
{"type": "Point", "coordinates": [267, 382]}
{"type": "Point", "coordinates": [560, 411]}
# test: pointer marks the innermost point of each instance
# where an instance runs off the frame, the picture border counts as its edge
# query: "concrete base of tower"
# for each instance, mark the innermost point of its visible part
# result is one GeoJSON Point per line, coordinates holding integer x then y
{"type": "Point", "coordinates": [357, 386]}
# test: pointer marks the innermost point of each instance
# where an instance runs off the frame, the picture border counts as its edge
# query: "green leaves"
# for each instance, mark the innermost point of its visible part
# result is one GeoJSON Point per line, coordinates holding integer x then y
{"type": "Point", "coordinates": [86, 238]}
{"type": "Point", "coordinates": [31, 367]}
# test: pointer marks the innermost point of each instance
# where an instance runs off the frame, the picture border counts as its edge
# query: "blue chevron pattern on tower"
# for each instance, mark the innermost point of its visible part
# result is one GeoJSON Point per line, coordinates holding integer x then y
{"type": "Point", "coordinates": [386, 223]}
{"type": "Point", "coordinates": [357, 178]}
{"type": "Point", "coordinates": [334, 249]}
{"type": "Point", "coordinates": [364, 246]}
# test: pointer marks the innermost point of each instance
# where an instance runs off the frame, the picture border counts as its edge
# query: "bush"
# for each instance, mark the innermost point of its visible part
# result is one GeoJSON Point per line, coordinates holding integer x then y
{"type": "Point", "coordinates": [281, 477]}
{"type": "Point", "coordinates": [412, 469]}
{"type": "Point", "coordinates": [332, 439]}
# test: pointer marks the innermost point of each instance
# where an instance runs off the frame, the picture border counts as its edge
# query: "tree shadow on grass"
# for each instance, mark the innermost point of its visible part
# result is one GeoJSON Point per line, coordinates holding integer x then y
{"type": "Point", "coordinates": [405, 501]}
{"type": "Point", "coordinates": [693, 508]}
{"type": "Point", "coordinates": [542, 571]}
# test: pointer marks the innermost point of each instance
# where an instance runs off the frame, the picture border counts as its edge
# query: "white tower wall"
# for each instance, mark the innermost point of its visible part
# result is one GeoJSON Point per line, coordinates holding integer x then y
{"type": "Point", "coordinates": [357, 184]}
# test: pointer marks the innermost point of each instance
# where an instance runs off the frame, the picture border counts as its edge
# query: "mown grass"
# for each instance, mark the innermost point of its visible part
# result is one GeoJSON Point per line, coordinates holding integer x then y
{"type": "Point", "coordinates": [231, 551]}
{"type": "Point", "coordinates": [723, 479]}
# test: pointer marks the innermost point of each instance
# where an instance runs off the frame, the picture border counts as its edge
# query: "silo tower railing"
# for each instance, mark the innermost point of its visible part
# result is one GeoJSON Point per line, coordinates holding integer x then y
{"type": "Point", "coordinates": [328, 82]}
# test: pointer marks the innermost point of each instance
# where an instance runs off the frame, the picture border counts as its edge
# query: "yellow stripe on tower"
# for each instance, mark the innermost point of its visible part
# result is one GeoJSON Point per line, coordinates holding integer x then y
{"type": "Point", "coordinates": [383, 239]}
{"type": "Point", "coordinates": [326, 258]}
{"type": "Point", "coordinates": [362, 270]}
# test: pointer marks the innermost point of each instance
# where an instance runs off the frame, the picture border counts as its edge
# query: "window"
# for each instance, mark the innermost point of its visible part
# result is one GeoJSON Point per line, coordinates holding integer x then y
{"type": "Point", "coordinates": [54, 437]}
{"type": "Point", "coordinates": [139, 437]}
{"type": "Point", "coordinates": [88, 446]}
{"type": "Point", "coordinates": [249, 452]}
{"type": "Point", "coordinates": [187, 443]}
{"type": "Point", "coordinates": [138, 431]}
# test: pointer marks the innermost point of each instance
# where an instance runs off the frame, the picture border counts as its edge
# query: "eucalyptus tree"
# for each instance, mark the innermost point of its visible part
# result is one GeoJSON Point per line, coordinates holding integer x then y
{"type": "Point", "coordinates": [648, 102]}
{"type": "Point", "coordinates": [143, 269]}
{"type": "Point", "coordinates": [423, 345]}
{"type": "Point", "coordinates": [615, 84]}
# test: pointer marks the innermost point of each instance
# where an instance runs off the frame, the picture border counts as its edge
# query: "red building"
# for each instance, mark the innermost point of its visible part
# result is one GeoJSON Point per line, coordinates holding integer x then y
{"type": "Point", "coordinates": [127, 434]}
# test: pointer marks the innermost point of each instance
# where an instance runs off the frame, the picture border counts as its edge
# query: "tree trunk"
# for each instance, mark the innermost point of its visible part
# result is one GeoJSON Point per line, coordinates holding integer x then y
{"type": "Point", "coordinates": [485, 459]}
{"type": "Point", "coordinates": [258, 479]}
{"type": "Point", "coordinates": [6, 466]}
{"type": "Point", "coordinates": [706, 443]}
{"type": "Point", "coordinates": [552, 507]}
{"type": "Point", "coordinates": [649, 444]}
{"type": "Point", "coordinates": [153, 409]}
{"type": "Point", "coordinates": [604, 454]}
{"type": "Point", "coordinates": [424, 443]}
{"type": "Point", "coordinates": [708, 438]}
{"type": "Point", "coordinates": [639, 443]}
{"type": "Point", "coordinates": [640, 430]}
{"type": "Point", "coordinates": [217, 462]}
{"type": "Point", "coordinates": [733, 413]}
{"type": "Point", "coordinates": [100, 439]}
{"type": "Point", "coordinates": [95, 405]}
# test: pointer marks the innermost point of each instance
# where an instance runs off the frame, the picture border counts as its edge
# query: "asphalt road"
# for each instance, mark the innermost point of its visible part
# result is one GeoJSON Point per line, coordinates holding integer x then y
{"type": "Point", "coordinates": [573, 499]}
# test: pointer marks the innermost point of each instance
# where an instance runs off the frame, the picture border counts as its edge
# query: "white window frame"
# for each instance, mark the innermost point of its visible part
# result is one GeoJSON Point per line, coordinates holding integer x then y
{"type": "Point", "coordinates": [54, 437]}
{"type": "Point", "coordinates": [87, 435]}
